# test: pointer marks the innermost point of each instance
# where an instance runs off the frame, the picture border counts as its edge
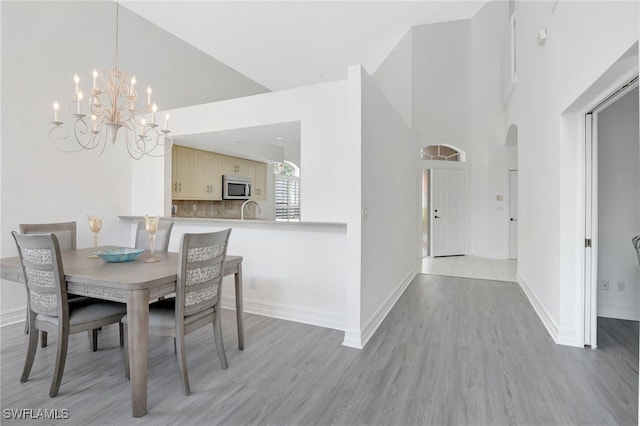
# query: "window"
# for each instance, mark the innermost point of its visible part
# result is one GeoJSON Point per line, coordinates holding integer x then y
{"type": "Point", "coordinates": [287, 191]}
{"type": "Point", "coordinates": [442, 153]}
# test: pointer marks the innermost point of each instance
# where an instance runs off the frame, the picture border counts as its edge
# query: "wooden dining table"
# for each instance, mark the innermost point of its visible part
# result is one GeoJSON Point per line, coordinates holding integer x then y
{"type": "Point", "coordinates": [135, 283]}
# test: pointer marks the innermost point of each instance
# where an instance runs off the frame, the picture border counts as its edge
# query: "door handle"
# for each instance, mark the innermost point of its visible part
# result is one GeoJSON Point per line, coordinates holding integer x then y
{"type": "Point", "coordinates": [512, 219]}
{"type": "Point", "coordinates": [436, 217]}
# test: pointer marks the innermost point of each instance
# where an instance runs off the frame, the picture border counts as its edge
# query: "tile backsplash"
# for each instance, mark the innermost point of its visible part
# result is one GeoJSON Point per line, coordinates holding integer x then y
{"type": "Point", "coordinates": [224, 209]}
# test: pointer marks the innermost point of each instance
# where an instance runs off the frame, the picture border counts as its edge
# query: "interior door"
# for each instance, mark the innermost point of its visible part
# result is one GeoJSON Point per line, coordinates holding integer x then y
{"type": "Point", "coordinates": [447, 212]}
{"type": "Point", "coordinates": [513, 214]}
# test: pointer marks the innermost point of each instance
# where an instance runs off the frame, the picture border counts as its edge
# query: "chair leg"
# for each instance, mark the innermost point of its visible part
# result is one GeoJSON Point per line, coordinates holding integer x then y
{"type": "Point", "coordinates": [43, 339]}
{"type": "Point", "coordinates": [182, 363]}
{"type": "Point", "coordinates": [217, 336]}
{"type": "Point", "coordinates": [61, 359]}
{"type": "Point", "coordinates": [125, 341]}
{"type": "Point", "coordinates": [94, 339]}
{"type": "Point", "coordinates": [31, 354]}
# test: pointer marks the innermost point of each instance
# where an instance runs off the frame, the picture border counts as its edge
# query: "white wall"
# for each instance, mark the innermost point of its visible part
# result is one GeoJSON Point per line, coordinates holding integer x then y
{"type": "Point", "coordinates": [442, 84]}
{"type": "Point", "coordinates": [43, 45]}
{"type": "Point", "coordinates": [489, 158]}
{"type": "Point", "coordinates": [325, 149]}
{"type": "Point", "coordinates": [395, 77]}
{"type": "Point", "coordinates": [551, 77]}
{"type": "Point", "coordinates": [276, 264]}
{"type": "Point", "coordinates": [329, 116]}
{"type": "Point", "coordinates": [454, 98]}
{"type": "Point", "coordinates": [618, 207]}
{"type": "Point", "coordinates": [390, 182]}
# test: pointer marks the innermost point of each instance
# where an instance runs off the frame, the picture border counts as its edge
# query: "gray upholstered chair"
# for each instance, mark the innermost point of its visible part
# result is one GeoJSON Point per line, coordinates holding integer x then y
{"type": "Point", "coordinates": [66, 234]}
{"type": "Point", "coordinates": [197, 301]}
{"type": "Point", "coordinates": [163, 234]}
{"type": "Point", "coordinates": [49, 308]}
{"type": "Point", "coordinates": [636, 244]}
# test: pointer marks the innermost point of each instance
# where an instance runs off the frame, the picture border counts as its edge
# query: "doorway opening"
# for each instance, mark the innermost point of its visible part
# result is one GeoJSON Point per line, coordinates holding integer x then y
{"type": "Point", "coordinates": [612, 209]}
{"type": "Point", "coordinates": [442, 204]}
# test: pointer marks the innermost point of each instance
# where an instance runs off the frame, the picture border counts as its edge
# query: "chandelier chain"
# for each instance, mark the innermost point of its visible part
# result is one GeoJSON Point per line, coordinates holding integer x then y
{"type": "Point", "coordinates": [115, 58]}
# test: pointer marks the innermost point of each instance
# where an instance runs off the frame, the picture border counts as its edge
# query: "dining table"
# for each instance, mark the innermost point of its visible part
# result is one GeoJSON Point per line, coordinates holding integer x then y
{"type": "Point", "coordinates": [135, 283]}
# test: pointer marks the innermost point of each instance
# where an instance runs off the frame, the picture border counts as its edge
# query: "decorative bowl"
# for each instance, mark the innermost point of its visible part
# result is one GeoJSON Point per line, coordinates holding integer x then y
{"type": "Point", "coordinates": [119, 255]}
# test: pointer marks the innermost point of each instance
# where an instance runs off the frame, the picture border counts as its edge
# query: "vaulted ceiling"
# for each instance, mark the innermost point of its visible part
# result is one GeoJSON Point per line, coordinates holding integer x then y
{"type": "Point", "coordinates": [288, 44]}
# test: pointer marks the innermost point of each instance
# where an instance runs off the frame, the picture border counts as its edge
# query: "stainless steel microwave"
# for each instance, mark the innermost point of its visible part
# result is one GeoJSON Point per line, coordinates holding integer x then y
{"type": "Point", "coordinates": [236, 187]}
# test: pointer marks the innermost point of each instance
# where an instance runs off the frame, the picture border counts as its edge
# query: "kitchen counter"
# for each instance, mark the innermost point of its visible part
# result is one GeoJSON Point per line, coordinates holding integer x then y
{"type": "Point", "coordinates": [242, 223]}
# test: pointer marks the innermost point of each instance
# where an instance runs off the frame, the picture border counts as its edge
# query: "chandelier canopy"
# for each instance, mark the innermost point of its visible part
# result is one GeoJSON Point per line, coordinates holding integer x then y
{"type": "Point", "coordinates": [111, 106]}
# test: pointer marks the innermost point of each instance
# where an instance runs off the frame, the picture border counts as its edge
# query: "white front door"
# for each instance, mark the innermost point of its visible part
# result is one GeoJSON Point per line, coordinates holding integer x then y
{"type": "Point", "coordinates": [513, 214]}
{"type": "Point", "coordinates": [447, 212]}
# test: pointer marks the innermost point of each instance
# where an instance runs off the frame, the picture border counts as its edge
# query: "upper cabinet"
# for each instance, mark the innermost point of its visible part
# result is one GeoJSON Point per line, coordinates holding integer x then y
{"type": "Point", "coordinates": [207, 177]}
{"type": "Point", "coordinates": [182, 173]}
{"type": "Point", "coordinates": [259, 189]}
{"type": "Point", "coordinates": [197, 175]}
{"type": "Point", "coordinates": [234, 166]}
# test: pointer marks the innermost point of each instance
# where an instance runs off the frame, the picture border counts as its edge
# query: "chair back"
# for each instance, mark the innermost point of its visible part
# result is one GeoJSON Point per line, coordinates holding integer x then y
{"type": "Point", "coordinates": [64, 231]}
{"type": "Point", "coordinates": [636, 245]}
{"type": "Point", "coordinates": [43, 272]}
{"type": "Point", "coordinates": [163, 234]}
{"type": "Point", "coordinates": [200, 272]}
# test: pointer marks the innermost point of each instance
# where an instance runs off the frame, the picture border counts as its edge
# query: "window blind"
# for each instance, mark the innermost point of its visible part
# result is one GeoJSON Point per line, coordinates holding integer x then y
{"type": "Point", "coordinates": [287, 198]}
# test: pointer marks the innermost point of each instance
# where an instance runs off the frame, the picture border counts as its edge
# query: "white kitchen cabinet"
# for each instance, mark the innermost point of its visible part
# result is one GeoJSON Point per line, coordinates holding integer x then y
{"type": "Point", "coordinates": [260, 181]}
{"type": "Point", "coordinates": [207, 180]}
{"type": "Point", "coordinates": [181, 173]}
{"type": "Point", "coordinates": [197, 174]}
{"type": "Point", "coordinates": [234, 166]}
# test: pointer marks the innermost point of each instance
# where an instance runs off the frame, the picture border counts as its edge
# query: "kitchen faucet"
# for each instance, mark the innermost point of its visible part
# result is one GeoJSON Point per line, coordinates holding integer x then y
{"type": "Point", "coordinates": [244, 204]}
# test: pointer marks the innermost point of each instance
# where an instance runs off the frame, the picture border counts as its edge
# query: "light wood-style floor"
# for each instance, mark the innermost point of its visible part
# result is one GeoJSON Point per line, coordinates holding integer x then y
{"type": "Point", "coordinates": [453, 351]}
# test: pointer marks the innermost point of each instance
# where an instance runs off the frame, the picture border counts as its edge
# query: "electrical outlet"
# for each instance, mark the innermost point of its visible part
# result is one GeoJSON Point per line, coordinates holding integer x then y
{"type": "Point", "coordinates": [604, 285]}
{"type": "Point", "coordinates": [621, 286]}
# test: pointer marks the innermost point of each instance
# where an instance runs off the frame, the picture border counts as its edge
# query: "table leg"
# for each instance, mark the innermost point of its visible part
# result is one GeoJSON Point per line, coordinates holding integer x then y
{"type": "Point", "coordinates": [240, 322]}
{"type": "Point", "coordinates": [138, 342]}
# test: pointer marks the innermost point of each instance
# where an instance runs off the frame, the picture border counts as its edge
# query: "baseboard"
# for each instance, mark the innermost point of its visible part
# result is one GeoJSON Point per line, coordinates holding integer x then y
{"type": "Point", "coordinates": [570, 337]}
{"type": "Point", "coordinates": [544, 316]}
{"type": "Point", "coordinates": [352, 339]}
{"type": "Point", "coordinates": [301, 314]}
{"type": "Point", "coordinates": [618, 311]}
{"type": "Point", "coordinates": [381, 313]}
{"type": "Point", "coordinates": [13, 316]}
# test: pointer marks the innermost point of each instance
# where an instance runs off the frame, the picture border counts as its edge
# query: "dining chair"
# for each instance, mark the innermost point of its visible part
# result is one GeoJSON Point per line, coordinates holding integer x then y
{"type": "Point", "coordinates": [636, 244]}
{"type": "Point", "coordinates": [198, 298]}
{"type": "Point", "coordinates": [163, 234]}
{"type": "Point", "coordinates": [66, 234]}
{"type": "Point", "coordinates": [49, 307]}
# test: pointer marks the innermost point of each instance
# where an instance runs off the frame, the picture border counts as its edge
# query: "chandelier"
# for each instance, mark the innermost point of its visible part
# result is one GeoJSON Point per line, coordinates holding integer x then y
{"type": "Point", "coordinates": [111, 105]}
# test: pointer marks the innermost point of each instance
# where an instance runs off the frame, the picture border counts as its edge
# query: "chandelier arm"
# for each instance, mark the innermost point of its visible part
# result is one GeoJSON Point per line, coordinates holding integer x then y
{"type": "Point", "coordinates": [62, 136]}
{"type": "Point", "coordinates": [132, 153]}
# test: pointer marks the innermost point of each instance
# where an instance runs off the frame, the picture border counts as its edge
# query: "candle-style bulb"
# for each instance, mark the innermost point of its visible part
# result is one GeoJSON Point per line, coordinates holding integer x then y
{"type": "Point", "coordinates": [56, 107]}
{"type": "Point", "coordinates": [133, 83]}
{"type": "Point", "coordinates": [149, 95]}
{"type": "Point", "coordinates": [166, 122]}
